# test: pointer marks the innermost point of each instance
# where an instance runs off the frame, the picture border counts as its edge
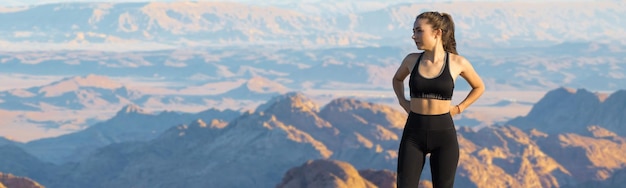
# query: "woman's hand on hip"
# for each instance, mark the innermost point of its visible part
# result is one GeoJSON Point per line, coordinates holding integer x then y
{"type": "Point", "coordinates": [406, 104]}
{"type": "Point", "coordinates": [454, 110]}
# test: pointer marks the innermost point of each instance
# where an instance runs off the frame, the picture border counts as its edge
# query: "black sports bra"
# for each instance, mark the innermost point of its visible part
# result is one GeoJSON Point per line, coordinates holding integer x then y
{"type": "Point", "coordinates": [440, 87]}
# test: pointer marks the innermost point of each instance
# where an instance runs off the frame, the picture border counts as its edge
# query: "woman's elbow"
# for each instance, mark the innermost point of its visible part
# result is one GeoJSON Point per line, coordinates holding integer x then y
{"type": "Point", "coordinates": [479, 87]}
{"type": "Point", "coordinates": [396, 79]}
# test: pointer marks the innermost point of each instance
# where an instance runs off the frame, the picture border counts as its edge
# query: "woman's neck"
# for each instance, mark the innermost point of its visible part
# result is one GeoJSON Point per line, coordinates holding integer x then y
{"type": "Point", "coordinates": [436, 55]}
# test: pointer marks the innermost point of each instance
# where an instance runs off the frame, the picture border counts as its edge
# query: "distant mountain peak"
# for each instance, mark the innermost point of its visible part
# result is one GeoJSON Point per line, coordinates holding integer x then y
{"type": "Point", "coordinates": [255, 88]}
{"type": "Point", "coordinates": [76, 82]}
{"type": "Point", "coordinates": [214, 123]}
{"type": "Point", "coordinates": [565, 96]}
{"type": "Point", "coordinates": [564, 91]}
{"type": "Point", "coordinates": [295, 95]}
{"type": "Point", "coordinates": [132, 109]}
{"type": "Point", "coordinates": [347, 104]}
{"type": "Point", "coordinates": [618, 97]}
{"type": "Point", "coordinates": [294, 100]}
{"type": "Point", "coordinates": [575, 110]}
{"type": "Point", "coordinates": [567, 89]}
{"type": "Point", "coordinates": [263, 85]}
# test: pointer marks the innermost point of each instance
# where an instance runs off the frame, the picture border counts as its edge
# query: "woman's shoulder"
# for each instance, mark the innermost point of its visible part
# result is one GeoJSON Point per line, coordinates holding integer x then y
{"type": "Point", "coordinates": [458, 59]}
{"type": "Point", "coordinates": [414, 54]}
{"type": "Point", "coordinates": [459, 63]}
{"type": "Point", "coordinates": [411, 58]}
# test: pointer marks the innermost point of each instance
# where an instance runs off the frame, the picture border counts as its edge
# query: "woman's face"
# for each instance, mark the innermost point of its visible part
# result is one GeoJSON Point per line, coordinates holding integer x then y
{"type": "Point", "coordinates": [424, 36]}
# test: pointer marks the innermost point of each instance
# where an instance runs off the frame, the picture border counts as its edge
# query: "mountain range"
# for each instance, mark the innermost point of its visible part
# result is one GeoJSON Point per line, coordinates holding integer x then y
{"type": "Point", "coordinates": [271, 145]}
{"type": "Point", "coordinates": [76, 103]}
{"type": "Point", "coordinates": [553, 113]}
{"type": "Point", "coordinates": [580, 65]}
{"type": "Point", "coordinates": [230, 55]}
{"type": "Point", "coordinates": [130, 124]}
{"type": "Point", "coordinates": [159, 25]}
{"type": "Point", "coordinates": [93, 86]}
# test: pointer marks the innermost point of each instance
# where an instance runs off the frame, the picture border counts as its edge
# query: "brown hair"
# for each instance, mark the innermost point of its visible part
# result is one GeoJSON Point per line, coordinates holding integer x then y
{"type": "Point", "coordinates": [444, 22]}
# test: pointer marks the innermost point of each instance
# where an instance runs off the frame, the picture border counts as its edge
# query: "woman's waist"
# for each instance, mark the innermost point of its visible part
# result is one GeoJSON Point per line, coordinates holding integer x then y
{"type": "Point", "coordinates": [430, 106]}
{"type": "Point", "coordinates": [417, 121]}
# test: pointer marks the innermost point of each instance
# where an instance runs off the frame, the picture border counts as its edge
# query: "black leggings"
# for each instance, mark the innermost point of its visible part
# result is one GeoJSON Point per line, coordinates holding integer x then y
{"type": "Point", "coordinates": [423, 134]}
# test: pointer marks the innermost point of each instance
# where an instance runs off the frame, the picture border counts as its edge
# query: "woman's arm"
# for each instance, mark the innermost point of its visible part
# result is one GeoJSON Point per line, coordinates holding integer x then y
{"type": "Point", "coordinates": [398, 84]}
{"type": "Point", "coordinates": [473, 79]}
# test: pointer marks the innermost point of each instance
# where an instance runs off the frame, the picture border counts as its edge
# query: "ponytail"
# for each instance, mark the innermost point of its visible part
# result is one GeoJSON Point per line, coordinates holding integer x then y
{"type": "Point", "coordinates": [449, 42]}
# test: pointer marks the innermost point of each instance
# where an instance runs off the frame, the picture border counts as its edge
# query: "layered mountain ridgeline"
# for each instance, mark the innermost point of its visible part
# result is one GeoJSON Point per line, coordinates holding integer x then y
{"type": "Point", "coordinates": [509, 156]}
{"type": "Point", "coordinates": [97, 91]}
{"type": "Point", "coordinates": [76, 93]}
{"type": "Point", "coordinates": [242, 79]}
{"type": "Point", "coordinates": [131, 123]}
{"type": "Point", "coordinates": [10, 181]}
{"type": "Point", "coordinates": [271, 145]}
{"type": "Point", "coordinates": [573, 110]}
{"type": "Point", "coordinates": [78, 102]}
{"type": "Point", "coordinates": [256, 148]}
{"type": "Point", "coordinates": [502, 156]}
{"type": "Point", "coordinates": [198, 70]}
{"type": "Point", "coordinates": [239, 154]}
{"type": "Point", "coordinates": [72, 100]}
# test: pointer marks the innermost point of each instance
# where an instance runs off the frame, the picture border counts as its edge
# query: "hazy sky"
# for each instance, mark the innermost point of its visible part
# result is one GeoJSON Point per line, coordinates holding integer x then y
{"type": "Point", "coordinates": [34, 2]}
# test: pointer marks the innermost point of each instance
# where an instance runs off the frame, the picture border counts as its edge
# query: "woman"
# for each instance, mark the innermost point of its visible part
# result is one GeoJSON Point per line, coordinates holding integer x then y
{"type": "Point", "coordinates": [429, 127]}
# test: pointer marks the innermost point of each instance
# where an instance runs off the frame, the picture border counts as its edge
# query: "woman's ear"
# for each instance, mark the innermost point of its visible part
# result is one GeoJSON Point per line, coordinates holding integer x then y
{"type": "Point", "coordinates": [439, 33]}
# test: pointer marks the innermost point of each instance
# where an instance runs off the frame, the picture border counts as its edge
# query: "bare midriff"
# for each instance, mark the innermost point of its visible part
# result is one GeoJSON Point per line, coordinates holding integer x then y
{"type": "Point", "coordinates": [430, 106]}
